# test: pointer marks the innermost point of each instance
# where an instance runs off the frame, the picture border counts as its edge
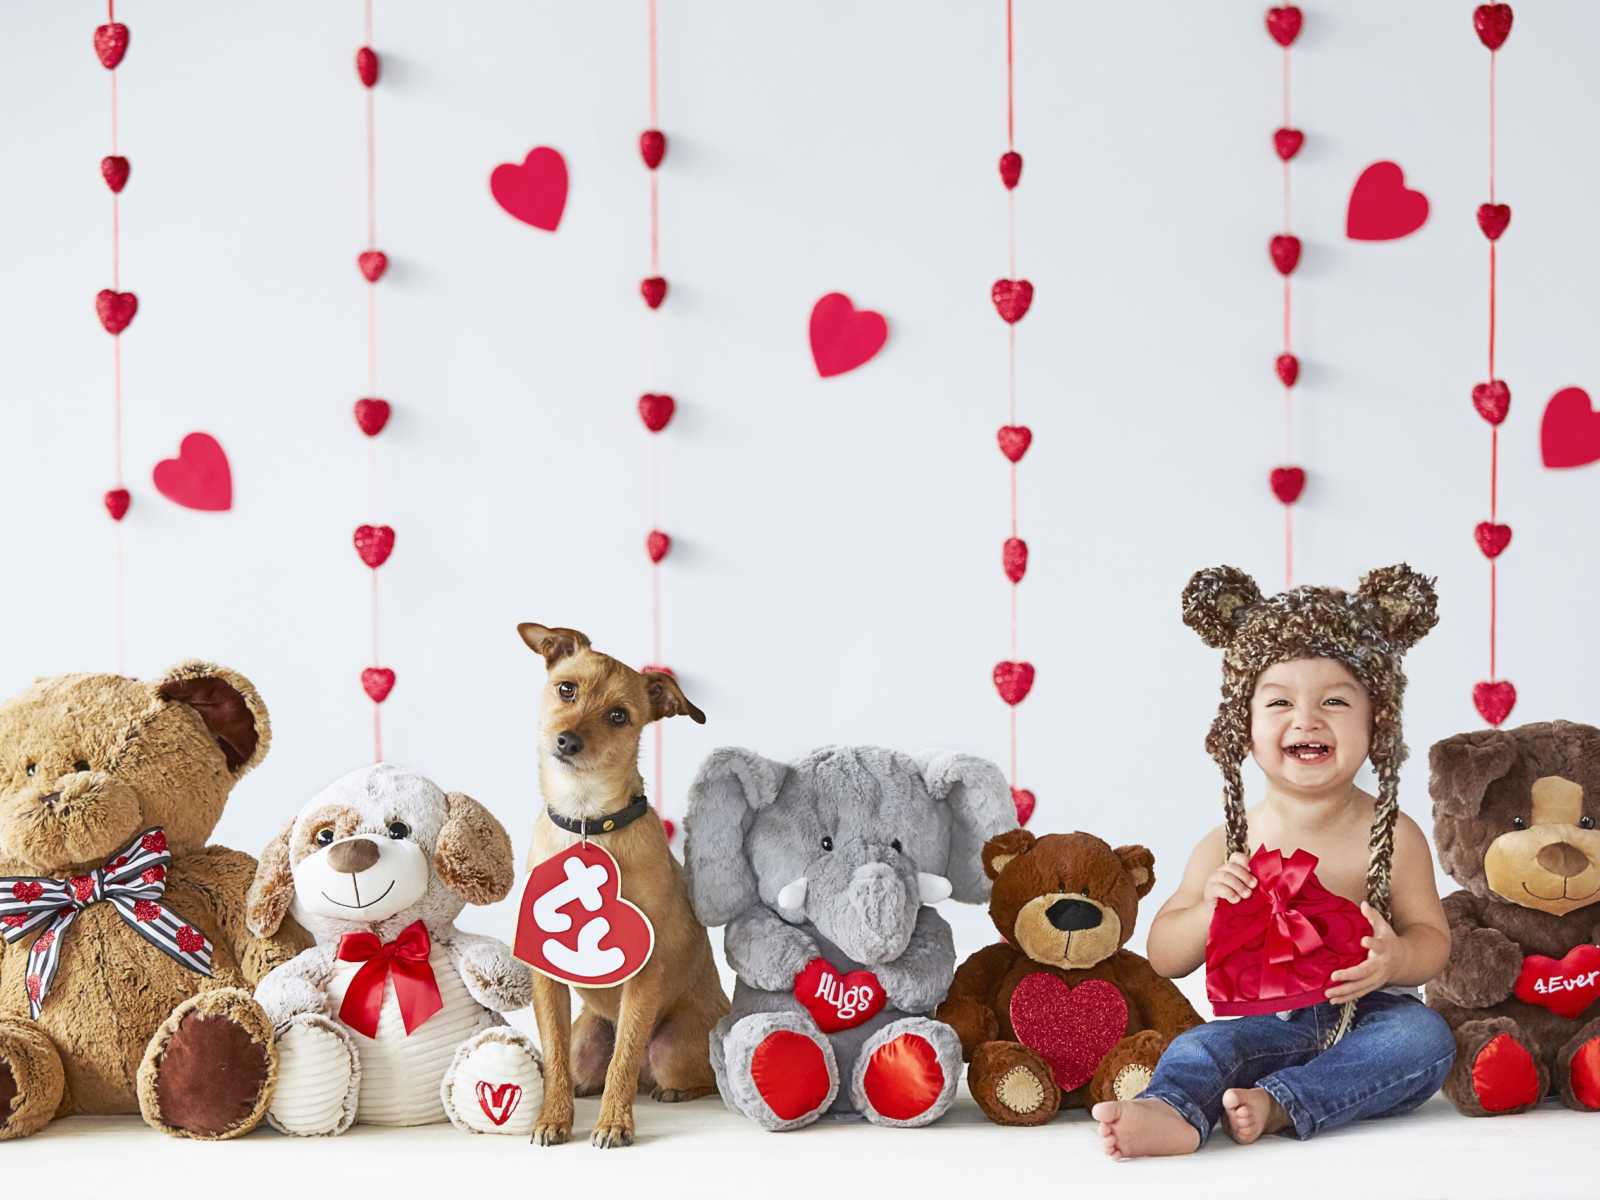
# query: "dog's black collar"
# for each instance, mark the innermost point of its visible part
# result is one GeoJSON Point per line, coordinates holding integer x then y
{"type": "Point", "coordinates": [610, 823]}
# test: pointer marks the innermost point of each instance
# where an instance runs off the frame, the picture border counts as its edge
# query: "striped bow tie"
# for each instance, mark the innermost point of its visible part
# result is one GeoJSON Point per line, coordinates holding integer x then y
{"type": "Point", "coordinates": [132, 882]}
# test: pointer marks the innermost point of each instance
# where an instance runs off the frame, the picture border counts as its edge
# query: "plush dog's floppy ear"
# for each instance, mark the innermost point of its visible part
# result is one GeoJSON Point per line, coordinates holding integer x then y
{"type": "Point", "coordinates": [1407, 604]}
{"type": "Point", "coordinates": [1001, 849]}
{"type": "Point", "coordinates": [473, 853]}
{"type": "Point", "coordinates": [272, 890]}
{"type": "Point", "coordinates": [228, 704]}
{"type": "Point", "coordinates": [667, 698]}
{"type": "Point", "coordinates": [1141, 867]}
{"type": "Point", "coordinates": [1461, 768]}
{"type": "Point", "coordinates": [1216, 601]}
{"type": "Point", "coordinates": [552, 644]}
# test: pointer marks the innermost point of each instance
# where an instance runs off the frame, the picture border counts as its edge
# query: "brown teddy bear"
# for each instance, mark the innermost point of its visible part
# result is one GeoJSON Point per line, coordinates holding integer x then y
{"type": "Point", "coordinates": [1058, 1014]}
{"type": "Point", "coordinates": [125, 972]}
{"type": "Point", "coordinates": [1514, 818]}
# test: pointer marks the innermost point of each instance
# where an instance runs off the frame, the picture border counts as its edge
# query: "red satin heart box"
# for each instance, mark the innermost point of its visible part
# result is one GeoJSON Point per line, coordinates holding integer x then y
{"type": "Point", "coordinates": [1276, 950]}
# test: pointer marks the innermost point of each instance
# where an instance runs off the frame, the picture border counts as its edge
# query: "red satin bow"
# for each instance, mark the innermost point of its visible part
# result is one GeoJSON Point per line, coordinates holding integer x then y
{"type": "Point", "coordinates": [1276, 950]}
{"type": "Point", "coordinates": [414, 985]}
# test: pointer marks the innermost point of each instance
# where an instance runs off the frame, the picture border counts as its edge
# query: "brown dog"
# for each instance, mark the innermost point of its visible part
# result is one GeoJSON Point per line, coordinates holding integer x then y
{"type": "Point", "coordinates": [653, 1029]}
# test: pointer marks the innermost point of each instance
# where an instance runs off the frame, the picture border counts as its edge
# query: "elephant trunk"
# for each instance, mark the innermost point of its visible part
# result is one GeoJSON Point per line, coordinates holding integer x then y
{"type": "Point", "coordinates": [881, 914]}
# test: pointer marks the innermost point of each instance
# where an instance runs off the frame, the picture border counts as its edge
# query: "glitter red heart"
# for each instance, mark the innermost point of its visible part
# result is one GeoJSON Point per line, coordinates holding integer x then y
{"type": "Point", "coordinates": [114, 169]}
{"type": "Point", "coordinates": [1493, 219]}
{"type": "Point", "coordinates": [27, 891]}
{"type": "Point", "coordinates": [154, 842]}
{"type": "Point", "coordinates": [1284, 24]}
{"type": "Point", "coordinates": [1285, 251]}
{"type": "Point", "coordinates": [1288, 483]}
{"type": "Point", "coordinates": [367, 66]}
{"type": "Point", "coordinates": [116, 310]}
{"type": "Point", "coordinates": [377, 682]}
{"type": "Point", "coordinates": [1492, 400]}
{"type": "Point", "coordinates": [654, 290]}
{"type": "Point", "coordinates": [1071, 1028]}
{"type": "Point", "coordinates": [1491, 538]}
{"type": "Point", "coordinates": [372, 415]}
{"type": "Point", "coordinates": [1023, 801]}
{"type": "Point", "coordinates": [374, 543]}
{"type": "Point", "coordinates": [656, 411]}
{"type": "Point", "coordinates": [116, 502]}
{"type": "Point", "coordinates": [1014, 441]}
{"type": "Point", "coordinates": [1287, 142]}
{"type": "Point", "coordinates": [1495, 700]}
{"type": "Point", "coordinates": [1014, 559]}
{"type": "Point", "coordinates": [1012, 299]}
{"type": "Point", "coordinates": [1493, 24]}
{"type": "Point", "coordinates": [1288, 368]}
{"type": "Point", "coordinates": [1010, 169]}
{"type": "Point", "coordinates": [111, 44]}
{"type": "Point", "coordinates": [657, 545]}
{"type": "Point", "coordinates": [652, 147]}
{"type": "Point", "coordinates": [189, 939]}
{"type": "Point", "coordinates": [1013, 680]}
{"type": "Point", "coordinates": [373, 264]}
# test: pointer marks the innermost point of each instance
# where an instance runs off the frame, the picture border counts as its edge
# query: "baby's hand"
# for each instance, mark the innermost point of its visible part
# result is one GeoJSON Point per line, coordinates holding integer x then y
{"type": "Point", "coordinates": [1231, 881]}
{"type": "Point", "coordinates": [1382, 961]}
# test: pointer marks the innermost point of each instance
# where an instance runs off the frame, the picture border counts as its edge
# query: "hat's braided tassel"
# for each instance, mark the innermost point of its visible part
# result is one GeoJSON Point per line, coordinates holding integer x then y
{"type": "Point", "coordinates": [1380, 855]}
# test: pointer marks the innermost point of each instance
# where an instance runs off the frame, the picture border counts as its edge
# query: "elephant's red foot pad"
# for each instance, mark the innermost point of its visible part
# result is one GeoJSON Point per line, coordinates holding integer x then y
{"type": "Point", "coordinates": [1504, 1076]}
{"type": "Point", "coordinates": [904, 1078]}
{"type": "Point", "coordinates": [790, 1073]}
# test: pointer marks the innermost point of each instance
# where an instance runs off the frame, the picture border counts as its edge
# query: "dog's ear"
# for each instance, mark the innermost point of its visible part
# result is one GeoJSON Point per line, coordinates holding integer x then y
{"type": "Point", "coordinates": [667, 698]}
{"type": "Point", "coordinates": [473, 853]}
{"type": "Point", "coordinates": [272, 890]}
{"type": "Point", "coordinates": [552, 644]}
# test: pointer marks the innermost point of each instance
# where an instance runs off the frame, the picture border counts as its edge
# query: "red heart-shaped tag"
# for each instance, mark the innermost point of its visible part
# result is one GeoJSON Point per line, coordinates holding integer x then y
{"type": "Point", "coordinates": [837, 1001]}
{"type": "Point", "coordinates": [652, 147]}
{"type": "Point", "coordinates": [1569, 434]}
{"type": "Point", "coordinates": [153, 842]}
{"type": "Point", "coordinates": [1014, 558]}
{"type": "Point", "coordinates": [1493, 219]}
{"type": "Point", "coordinates": [656, 410]}
{"type": "Point", "coordinates": [1285, 251]}
{"type": "Point", "coordinates": [377, 682]}
{"type": "Point", "coordinates": [115, 309]}
{"type": "Point", "coordinates": [1492, 539]}
{"type": "Point", "coordinates": [1010, 169]}
{"type": "Point", "coordinates": [373, 263]}
{"type": "Point", "coordinates": [116, 502]}
{"type": "Point", "coordinates": [1013, 680]}
{"type": "Point", "coordinates": [1023, 801]}
{"type": "Point", "coordinates": [1014, 441]}
{"type": "Point", "coordinates": [533, 191]}
{"type": "Point", "coordinates": [1287, 142]}
{"type": "Point", "coordinates": [654, 290]}
{"type": "Point", "coordinates": [1493, 400]}
{"type": "Point", "coordinates": [1288, 368]}
{"type": "Point", "coordinates": [575, 925]}
{"type": "Point", "coordinates": [146, 910]}
{"type": "Point", "coordinates": [844, 337]}
{"type": "Point", "coordinates": [1288, 483]}
{"type": "Point", "coordinates": [372, 415]}
{"type": "Point", "coordinates": [189, 939]}
{"type": "Point", "coordinates": [114, 170]}
{"type": "Point", "coordinates": [657, 545]}
{"type": "Point", "coordinates": [110, 44]}
{"type": "Point", "coordinates": [367, 66]}
{"type": "Point", "coordinates": [199, 478]}
{"type": "Point", "coordinates": [1012, 299]}
{"type": "Point", "coordinates": [1493, 24]}
{"type": "Point", "coordinates": [374, 543]}
{"type": "Point", "coordinates": [1284, 24]}
{"type": "Point", "coordinates": [27, 891]}
{"type": "Point", "coordinates": [498, 1101]}
{"type": "Point", "coordinates": [1381, 207]}
{"type": "Point", "coordinates": [1071, 1028]}
{"type": "Point", "coordinates": [1566, 986]}
{"type": "Point", "coordinates": [1495, 700]}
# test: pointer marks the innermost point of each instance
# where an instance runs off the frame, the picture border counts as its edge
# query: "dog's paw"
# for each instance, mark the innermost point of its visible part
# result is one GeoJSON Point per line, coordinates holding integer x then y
{"type": "Point", "coordinates": [612, 1133]}
{"type": "Point", "coordinates": [551, 1133]}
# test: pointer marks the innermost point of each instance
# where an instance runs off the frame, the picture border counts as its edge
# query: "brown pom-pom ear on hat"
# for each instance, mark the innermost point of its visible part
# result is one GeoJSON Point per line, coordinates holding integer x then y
{"type": "Point", "coordinates": [1406, 601]}
{"type": "Point", "coordinates": [1215, 603]}
{"type": "Point", "coordinates": [1002, 848]}
{"type": "Point", "coordinates": [1461, 768]}
{"type": "Point", "coordinates": [272, 890]}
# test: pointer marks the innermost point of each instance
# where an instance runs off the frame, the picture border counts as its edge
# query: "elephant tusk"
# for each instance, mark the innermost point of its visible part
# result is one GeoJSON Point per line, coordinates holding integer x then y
{"type": "Point", "coordinates": [793, 895]}
{"type": "Point", "coordinates": [930, 888]}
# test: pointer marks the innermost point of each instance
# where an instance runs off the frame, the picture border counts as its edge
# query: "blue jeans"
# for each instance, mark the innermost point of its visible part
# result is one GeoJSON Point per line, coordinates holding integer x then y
{"type": "Point", "coordinates": [1395, 1055]}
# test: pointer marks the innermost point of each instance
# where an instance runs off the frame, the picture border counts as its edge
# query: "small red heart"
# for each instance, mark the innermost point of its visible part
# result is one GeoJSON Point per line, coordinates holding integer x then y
{"type": "Point", "coordinates": [146, 910]}
{"type": "Point", "coordinates": [1569, 434]}
{"type": "Point", "coordinates": [27, 891]}
{"type": "Point", "coordinates": [119, 861]}
{"type": "Point", "coordinates": [1493, 219]}
{"type": "Point", "coordinates": [1284, 23]}
{"type": "Point", "coordinates": [189, 939]}
{"type": "Point", "coordinates": [153, 842]}
{"type": "Point", "coordinates": [656, 410]}
{"type": "Point", "coordinates": [1493, 23]}
{"type": "Point", "coordinates": [1071, 1028]}
{"type": "Point", "coordinates": [842, 336]}
{"type": "Point", "coordinates": [116, 502]}
{"type": "Point", "coordinates": [1287, 142]}
{"type": "Point", "coordinates": [367, 66]}
{"type": "Point", "coordinates": [498, 1101]}
{"type": "Point", "coordinates": [199, 478]}
{"type": "Point", "coordinates": [1014, 441]}
{"type": "Point", "coordinates": [372, 415]}
{"type": "Point", "coordinates": [668, 827]}
{"type": "Point", "coordinates": [44, 941]}
{"type": "Point", "coordinates": [1494, 700]}
{"type": "Point", "coordinates": [35, 988]}
{"type": "Point", "coordinates": [377, 682]}
{"type": "Point", "coordinates": [374, 543]}
{"type": "Point", "coordinates": [1566, 986]}
{"type": "Point", "coordinates": [373, 264]}
{"type": "Point", "coordinates": [153, 874]}
{"type": "Point", "coordinates": [837, 1001]}
{"type": "Point", "coordinates": [1288, 368]}
{"type": "Point", "coordinates": [115, 309]}
{"type": "Point", "coordinates": [1012, 299]}
{"type": "Point", "coordinates": [1381, 207]}
{"type": "Point", "coordinates": [533, 191]}
{"type": "Point", "coordinates": [1014, 558]}
{"type": "Point", "coordinates": [1285, 251]}
{"type": "Point", "coordinates": [652, 147]}
{"type": "Point", "coordinates": [1492, 400]}
{"type": "Point", "coordinates": [1492, 539]}
{"type": "Point", "coordinates": [110, 44]}
{"type": "Point", "coordinates": [654, 290]}
{"type": "Point", "coordinates": [15, 921]}
{"type": "Point", "coordinates": [114, 170]}
{"type": "Point", "coordinates": [1010, 169]}
{"type": "Point", "coordinates": [1288, 483]}
{"type": "Point", "coordinates": [657, 545]}
{"type": "Point", "coordinates": [1013, 680]}
{"type": "Point", "coordinates": [1023, 801]}
{"type": "Point", "coordinates": [82, 886]}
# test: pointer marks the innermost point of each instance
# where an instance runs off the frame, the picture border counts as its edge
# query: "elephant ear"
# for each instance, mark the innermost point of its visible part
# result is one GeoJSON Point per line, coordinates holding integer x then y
{"type": "Point", "coordinates": [1215, 604]}
{"type": "Point", "coordinates": [1461, 768]}
{"type": "Point", "coordinates": [731, 786]}
{"type": "Point", "coordinates": [980, 807]}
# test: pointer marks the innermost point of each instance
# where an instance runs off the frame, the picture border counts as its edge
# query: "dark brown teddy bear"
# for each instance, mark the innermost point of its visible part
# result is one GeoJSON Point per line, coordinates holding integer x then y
{"type": "Point", "coordinates": [1515, 815]}
{"type": "Point", "coordinates": [125, 972]}
{"type": "Point", "coordinates": [1059, 1015]}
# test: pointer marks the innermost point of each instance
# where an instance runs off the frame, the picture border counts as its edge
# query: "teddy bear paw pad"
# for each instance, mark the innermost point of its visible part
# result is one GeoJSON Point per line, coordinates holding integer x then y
{"type": "Point", "coordinates": [211, 1070]}
{"type": "Point", "coordinates": [496, 1085]}
{"type": "Point", "coordinates": [1504, 1075]}
{"type": "Point", "coordinates": [1131, 1081]}
{"type": "Point", "coordinates": [317, 1079]}
{"type": "Point", "coordinates": [1019, 1090]}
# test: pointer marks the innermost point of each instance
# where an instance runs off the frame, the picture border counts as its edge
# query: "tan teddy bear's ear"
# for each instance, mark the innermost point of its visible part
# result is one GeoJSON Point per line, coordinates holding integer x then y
{"type": "Point", "coordinates": [272, 890]}
{"type": "Point", "coordinates": [1002, 848]}
{"type": "Point", "coordinates": [552, 644]}
{"type": "Point", "coordinates": [229, 705]}
{"type": "Point", "coordinates": [1407, 604]}
{"type": "Point", "coordinates": [1216, 601]}
{"type": "Point", "coordinates": [473, 854]}
{"type": "Point", "coordinates": [1141, 867]}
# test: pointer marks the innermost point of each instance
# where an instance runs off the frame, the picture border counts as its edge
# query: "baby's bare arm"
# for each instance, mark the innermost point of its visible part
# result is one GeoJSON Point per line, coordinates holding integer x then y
{"type": "Point", "coordinates": [1177, 941]}
{"type": "Point", "coordinates": [1418, 915]}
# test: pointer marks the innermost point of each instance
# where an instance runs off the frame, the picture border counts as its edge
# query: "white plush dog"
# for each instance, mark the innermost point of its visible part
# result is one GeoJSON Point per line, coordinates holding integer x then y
{"type": "Point", "coordinates": [394, 1017]}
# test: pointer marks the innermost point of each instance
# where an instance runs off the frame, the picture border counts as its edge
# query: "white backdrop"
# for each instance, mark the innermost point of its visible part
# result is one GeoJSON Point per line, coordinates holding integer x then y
{"type": "Point", "coordinates": [836, 571]}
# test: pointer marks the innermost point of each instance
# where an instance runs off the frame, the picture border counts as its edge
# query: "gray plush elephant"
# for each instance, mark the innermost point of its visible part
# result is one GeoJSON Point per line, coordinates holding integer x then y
{"type": "Point", "coordinates": [824, 872]}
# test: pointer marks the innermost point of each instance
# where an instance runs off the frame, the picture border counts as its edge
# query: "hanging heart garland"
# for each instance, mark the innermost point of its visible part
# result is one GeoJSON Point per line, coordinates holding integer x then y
{"type": "Point", "coordinates": [1010, 169]}
{"type": "Point", "coordinates": [1013, 680]}
{"type": "Point", "coordinates": [1492, 400]}
{"type": "Point", "coordinates": [1284, 24]}
{"type": "Point", "coordinates": [117, 501]}
{"type": "Point", "coordinates": [1494, 700]}
{"type": "Point", "coordinates": [110, 44]}
{"type": "Point", "coordinates": [1493, 24]}
{"type": "Point", "coordinates": [1493, 220]}
{"type": "Point", "coordinates": [1492, 539]}
{"type": "Point", "coordinates": [1014, 558]}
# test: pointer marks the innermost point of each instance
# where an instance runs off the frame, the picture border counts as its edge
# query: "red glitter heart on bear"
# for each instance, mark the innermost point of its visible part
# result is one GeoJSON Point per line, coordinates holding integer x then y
{"type": "Point", "coordinates": [1012, 299]}
{"type": "Point", "coordinates": [1010, 169]}
{"type": "Point", "coordinates": [1285, 249]}
{"type": "Point", "coordinates": [110, 44]}
{"type": "Point", "coordinates": [654, 290]}
{"type": "Point", "coordinates": [652, 147]}
{"type": "Point", "coordinates": [1284, 24]}
{"type": "Point", "coordinates": [373, 264]}
{"type": "Point", "coordinates": [1495, 700]}
{"type": "Point", "coordinates": [1013, 680]}
{"type": "Point", "coordinates": [656, 410]}
{"type": "Point", "coordinates": [116, 502]}
{"type": "Point", "coordinates": [1493, 24]}
{"type": "Point", "coordinates": [1071, 1028]}
{"type": "Point", "coordinates": [1023, 801]}
{"type": "Point", "coordinates": [1493, 219]}
{"type": "Point", "coordinates": [374, 543]}
{"type": "Point", "coordinates": [114, 170]}
{"type": "Point", "coordinates": [1287, 142]}
{"type": "Point", "coordinates": [1492, 400]}
{"type": "Point", "coordinates": [116, 310]}
{"type": "Point", "coordinates": [657, 545]}
{"type": "Point", "coordinates": [154, 842]}
{"type": "Point", "coordinates": [1014, 441]}
{"type": "Point", "coordinates": [27, 891]}
{"type": "Point", "coordinates": [372, 415]}
{"type": "Point", "coordinates": [1014, 559]}
{"type": "Point", "coordinates": [377, 682]}
{"type": "Point", "coordinates": [367, 66]}
{"type": "Point", "coordinates": [1288, 368]}
{"type": "Point", "coordinates": [1288, 483]}
{"type": "Point", "coordinates": [189, 939]}
{"type": "Point", "coordinates": [1492, 539]}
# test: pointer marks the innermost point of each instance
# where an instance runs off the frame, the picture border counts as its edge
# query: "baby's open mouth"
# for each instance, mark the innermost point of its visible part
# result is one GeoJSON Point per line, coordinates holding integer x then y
{"type": "Point", "coordinates": [1309, 752]}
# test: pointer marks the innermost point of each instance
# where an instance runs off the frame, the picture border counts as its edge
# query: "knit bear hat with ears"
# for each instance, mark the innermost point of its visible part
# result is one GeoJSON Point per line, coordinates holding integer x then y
{"type": "Point", "coordinates": [1367, 630]}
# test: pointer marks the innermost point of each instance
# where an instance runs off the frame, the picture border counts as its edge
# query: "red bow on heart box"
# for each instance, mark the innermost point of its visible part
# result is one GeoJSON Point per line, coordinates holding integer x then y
{"type": "Point", "coordinates": [1567, 986]}
{"type": "Point", "coordinates": [1275, 950]}
{"type": "Point", "coordinates": [838, 1001]}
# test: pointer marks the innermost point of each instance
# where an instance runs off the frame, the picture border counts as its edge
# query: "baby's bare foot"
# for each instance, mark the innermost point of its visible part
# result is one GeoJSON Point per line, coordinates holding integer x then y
{"type": "Point", "coordinates": [1251, 1112]}
{"type": "Point", "coordinates": [1141, 1128]}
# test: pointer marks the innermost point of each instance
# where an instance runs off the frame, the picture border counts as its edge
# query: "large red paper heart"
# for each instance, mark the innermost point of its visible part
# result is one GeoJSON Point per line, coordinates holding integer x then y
{"type": "Point", "coordinates": [1013, 680]}
{"type": "Point", "coordinates": [372, 415]}
{"type": "Point", "coordinates": [367, 66]}
{"type": "Point", "coordinates": [1494, 700]}
{"type": "Point", "coordinates": [1492, 400]}
{"type": "Point", "coordinates": [1012, 299]}
{"type": "Point", "coordinates": [1381, 207]}
{"type": "Point", "coordinates": [374, 543]}
{"type": "Point", "coordinates": [838, 1001]}
{"type": "Point", "coordinates": [372, 264]}
{"type": "Point", "coordinates": [656, 410]}
{"type": "Point", "coordinates": [1023, 801]}
{"type": "Point", "coordinates": [1287, 142]}
{"type": "Point", "coordinates": [199, 477]}
{"type": "Point", "coordinates": [1569, 435]}
{"type": "Point", "coordinates": [657, 545]}
{"type": "Point", "coordinates": [652, 147]}
{"type": "Point", "coordinates": [498, 1102]}
{"type": "Point", "coordinates": [377, 682]}
{"type": "Point", "coordinates": [1284, 23]}
{"type": "Point", "coordinates": [114, 170]}
{"type": "Point", "coordinates": [1010, 169]}
{"type": "Point", "coordinates": [1288, 483]}
{"type": "Point", "coordinates": [534, 191]}
{"type": "Point", "coordinates": [110, 44]}
{"type": "Point", "coordinates": [1492, 539]}
{"type": "Point", "coordinates": [844, 337]}
{"type": "Point", "coordinates": [1014, 441]}
{"type": "Point", "coordinates": [654, 290]}
{"type": "Point", "coordinates": [1566, 986]}
{"type": "Point", "coordinates": [1493, 24]}
{"type": "Point", "coordinates": [116, 310]}
{"type": "Point", "coordinates": [1288, 368]}
{"type": "Point", "coordinates": [1071, 1028]}
{"type": "Point", "coordinates": [1493, 219]}
{"type": "Point", "coordinates": [1014, 559]}
{"type": "Point", "coordinates": [116, 502]}
{"type": "Point", "coordinates": [1285, 251]}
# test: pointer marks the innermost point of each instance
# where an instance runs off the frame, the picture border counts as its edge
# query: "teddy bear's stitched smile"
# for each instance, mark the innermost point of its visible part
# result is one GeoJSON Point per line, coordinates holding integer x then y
{"type": "Point", "coordinates": [368, 904]}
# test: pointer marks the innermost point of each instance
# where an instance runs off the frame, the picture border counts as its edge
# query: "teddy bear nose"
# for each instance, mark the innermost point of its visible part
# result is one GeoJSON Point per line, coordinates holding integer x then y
{"type": "Point", "coordinates": [1068, 915]}
{"type": "Point", "coordinates": [568, 743]}
{"type": "Point", "coordinates": [355, 855]}
{"type": "Point", "coordinates": [1564, 860]}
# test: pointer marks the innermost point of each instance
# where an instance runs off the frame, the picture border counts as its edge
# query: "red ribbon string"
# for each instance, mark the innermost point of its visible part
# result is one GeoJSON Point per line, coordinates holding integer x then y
{"type": "Point", "coordinates": [656, 660]}
{"type": "Point", "coordinates": [116, 501]}
{"type": "Point", "coordinates": [1287, 499]}
{"type": "Point", "coordinates": [405, 960]}
{"type": "Point", "coordinates": [1011, 359]}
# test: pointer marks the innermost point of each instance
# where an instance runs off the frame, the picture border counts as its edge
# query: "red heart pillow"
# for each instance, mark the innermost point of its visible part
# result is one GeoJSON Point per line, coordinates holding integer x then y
{"type": "Point", "coordinates": [1071, 1028]}
{"type": "Point", "coordinates": [838, 1001]}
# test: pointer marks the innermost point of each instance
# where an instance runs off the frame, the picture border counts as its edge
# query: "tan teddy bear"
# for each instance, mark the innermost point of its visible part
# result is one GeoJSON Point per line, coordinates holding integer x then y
{"type": "Point", "coordinates": [126, 966]}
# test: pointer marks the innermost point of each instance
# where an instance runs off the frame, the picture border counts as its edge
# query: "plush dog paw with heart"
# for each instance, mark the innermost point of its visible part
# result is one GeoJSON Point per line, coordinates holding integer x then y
{"type": "Point", "coordinates": [395, 1016]}
{"type": "Point", "coordinates": [1059, 1015]}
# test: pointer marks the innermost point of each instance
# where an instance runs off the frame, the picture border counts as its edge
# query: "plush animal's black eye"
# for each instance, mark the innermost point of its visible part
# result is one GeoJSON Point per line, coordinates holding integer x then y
{"type": "Point", "coordinates": [80, 765]}
{"type": "Point", "coordinates": [1518, 823]}
{"type": "Point", "coordinates": [896, 845]}
{"type": "Point", "coordinates": [827, 843]}
{"type": "Point", "coordinates": [1585, 822]}
{"type": "Point", "coordinates": [32, 767]}
{"type": "Point", "coordinates": [323, 836]}
{"type": "Point", "coordinates": [617, 716]}
{"type": "Point", "coordinates": [567, 691]}
{"type": "Point", "coordinates": [399, 829]}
